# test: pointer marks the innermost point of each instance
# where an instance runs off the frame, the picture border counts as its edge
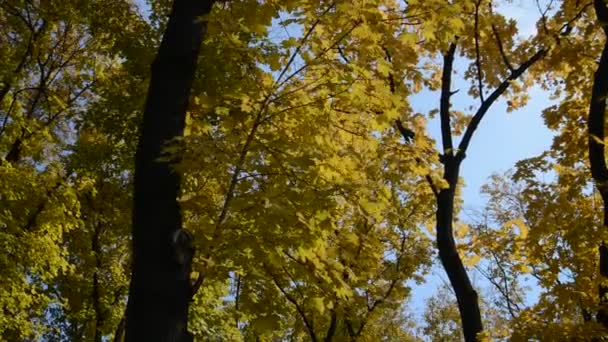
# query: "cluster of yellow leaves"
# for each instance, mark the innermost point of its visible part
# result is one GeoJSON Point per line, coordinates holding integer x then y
{"type": "Point", "coordinates": [306, 204]}
{"type": "Point", "coordinates": [65, 155]}
{"type": "Point", "coordinates": [549, 231]}
{"type": "Point", "coordinates": [303, 198]}
{"type": "Point", "coordinates": [37, 211]}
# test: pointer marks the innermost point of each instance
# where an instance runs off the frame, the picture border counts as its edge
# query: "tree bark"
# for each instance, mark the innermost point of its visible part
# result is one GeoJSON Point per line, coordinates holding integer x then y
{"type": "Point", "coordinates": [597, 160]}
{"type": "Point", "coordinates": [466, 296]}
{"type": "Point", "coordinates": [99, 316]}
{"type": "Point", "coordinates": [160, 288]}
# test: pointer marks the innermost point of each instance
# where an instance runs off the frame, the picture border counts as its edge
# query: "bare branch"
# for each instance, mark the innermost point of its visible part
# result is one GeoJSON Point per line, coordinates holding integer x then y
{"type": "Point", "coordinates": [332, 46]}
{"type": "Point", "coordinates": [503, 289]}
{"type": "Point", "coordinates": [68, 104]}
{"type": "Point", "coordinates": [466, 139]}
{"type": "Point", "coordinates": [120, 329]}
{"type": "Point", "coordinates": [501, 48]}
{"type": "Point", "coordinates": [333, 324]}
{"type": "Point", "coordinates": [237, 297]}
{"type": "Point", "coordinates": [543, 15]}
{"type": "Point", "coordinates": [342, 54]}
{"type": "Point", "coordinates": [408, 134]}
{"type": "Point", "coordinates": [567, 27]}
{"type": "Point", "coordinates": [477, 54]}
{"type": "Point", "coordinates": [197, 285]}
{"type": "Point", "coordinates": [446, 93]}
{"type": "Point", "coordinates": [35, 34]}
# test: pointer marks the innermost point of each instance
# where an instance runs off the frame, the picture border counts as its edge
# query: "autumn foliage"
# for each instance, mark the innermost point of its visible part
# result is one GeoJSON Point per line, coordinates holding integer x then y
{"type": "Point", "coordinates": [278, 144]}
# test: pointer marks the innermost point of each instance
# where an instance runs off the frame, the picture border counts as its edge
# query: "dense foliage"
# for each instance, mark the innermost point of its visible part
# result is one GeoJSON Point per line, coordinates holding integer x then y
{"type": "Point", "coordinates": [316, 197]}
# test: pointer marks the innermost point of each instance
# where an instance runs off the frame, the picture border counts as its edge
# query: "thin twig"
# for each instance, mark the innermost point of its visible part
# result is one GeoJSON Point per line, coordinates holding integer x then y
{"type": "Point", "coordinates": [477, 54]}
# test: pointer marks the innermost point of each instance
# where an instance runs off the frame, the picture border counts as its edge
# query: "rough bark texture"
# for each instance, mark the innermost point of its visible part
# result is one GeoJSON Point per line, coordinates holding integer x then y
{"type": "Point", "coordinates": [599, 171]}
{"type": "Point", "coordinates": [160, 286]}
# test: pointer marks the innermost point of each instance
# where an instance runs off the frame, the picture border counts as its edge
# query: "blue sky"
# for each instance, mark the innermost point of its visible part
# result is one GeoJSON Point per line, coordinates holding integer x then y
{"type": "Point", "coordinates": [500, 141]}
{"type": "Point", "coordinates": [515, 136]}
{"type": "Point", "coordinates": [502, 138]}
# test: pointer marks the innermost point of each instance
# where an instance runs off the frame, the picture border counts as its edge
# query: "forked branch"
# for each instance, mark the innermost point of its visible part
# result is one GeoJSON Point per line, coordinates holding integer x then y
{"type": "Point", "coordinates": [483, 109]}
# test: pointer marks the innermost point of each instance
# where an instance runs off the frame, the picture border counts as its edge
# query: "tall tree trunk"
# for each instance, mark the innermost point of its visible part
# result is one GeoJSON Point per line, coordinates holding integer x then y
{"type": "Point", "coordinates": [160, 289]}
{"type": "Point", "coordinates": [466, 295]}
{"type": "Point", "coordinates": [597, 159]}
{"type": "Point", "coordinates": [99, 316]}
{"type": "Point", "coordinates": [452, 158]}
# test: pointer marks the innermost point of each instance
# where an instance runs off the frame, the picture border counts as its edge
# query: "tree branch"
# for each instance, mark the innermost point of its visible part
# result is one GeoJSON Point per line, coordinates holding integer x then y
{"type": "Point", "coordinates": [446, 93]}
{"type": "Point", "coordinates": [302, 42]}
{"type": "Point", "coordinates": [477, 54]}
{"type": "Point", "coordinates": [292, 300]}
{"type": "Point", "coordinates": [120, 330]}
{"type": "Point", "coordinates": [342, 54]}
{"type": "Point", "coordinates": [501, 48]}
{"type": "Point", "coordinates": [543, 15]}
{"type": "Point", "coordinates": [466, 139]}
{"type": "Point", "coordinates": [197, 285]}
{"type": "Point", "coordinates": [333, 324]}
{"type": "Point", "coordinates": [332, 46]}
{"type": "Point", "coordinates": [601, 10]}
{"type": "Point", "coordinates": [408, 134]}
{"type": "Point", "coordinates": [35, 34]}
{"type": "Point", "coordinates": [567, 27]}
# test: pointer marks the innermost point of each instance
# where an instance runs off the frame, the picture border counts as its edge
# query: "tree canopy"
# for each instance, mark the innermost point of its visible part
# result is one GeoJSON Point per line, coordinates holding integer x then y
{"type": "Point", "coordinates": [258, 171]}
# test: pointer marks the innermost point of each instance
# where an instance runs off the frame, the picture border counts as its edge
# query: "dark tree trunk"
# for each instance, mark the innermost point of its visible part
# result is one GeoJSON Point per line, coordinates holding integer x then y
{"type": "Point", "coordinates": [99, 316]}
{"type": "Point", "coordinates": [160, 289]}
{"type": "Point", "coordinates": [466, 295]}
{"type": "Point", "coordinates": [597, 160]}
{"type": "Point", "coordinates": [14, 154]}
{"type": "Point", "coordinates": [467, 298]}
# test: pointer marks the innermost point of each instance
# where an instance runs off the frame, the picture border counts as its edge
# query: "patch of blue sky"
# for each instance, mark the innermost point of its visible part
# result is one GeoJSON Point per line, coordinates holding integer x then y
{"type": "Point", "coordinates": [499, 142]}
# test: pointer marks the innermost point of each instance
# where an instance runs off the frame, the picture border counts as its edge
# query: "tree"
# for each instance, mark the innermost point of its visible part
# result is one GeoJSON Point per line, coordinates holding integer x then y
{"type": "Point", "coordinates": [160, 288]}
{"type": "Point", "coordinates": [441, 317]}
{"type": "Point", "coordinates": [533, 229]}
{"type": "Point", "coordinates": [562, 252]}
{"type": "Point", "coordinates": [597, 156]}
{"type": "Point", "coordinates": [55, 63]}
{"type": "Point", "coordinates": [476, 18]}
{"type": "Point", "coordinates": [346, 253]}
{"type": "Point", "coordinates": [282, 179]}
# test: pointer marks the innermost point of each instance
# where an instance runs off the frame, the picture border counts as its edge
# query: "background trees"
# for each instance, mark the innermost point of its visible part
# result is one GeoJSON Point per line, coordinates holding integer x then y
{"type": "Point", "coordinates": [314, 193]}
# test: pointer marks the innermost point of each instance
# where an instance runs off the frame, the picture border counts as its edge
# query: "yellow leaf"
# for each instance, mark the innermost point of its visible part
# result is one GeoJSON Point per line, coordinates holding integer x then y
{"type": "Point", "coordinates": [317, 303]}
{"type": "Point", "coordinates": [472, 260]}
